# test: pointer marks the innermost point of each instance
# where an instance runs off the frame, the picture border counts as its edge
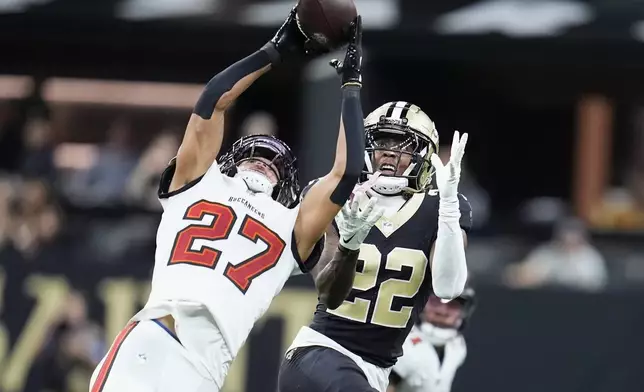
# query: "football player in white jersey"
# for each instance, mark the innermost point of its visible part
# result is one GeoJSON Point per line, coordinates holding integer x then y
{"type": "Point", "coordinates": [435, 349]}
{"type": "Point", "coordinates": [231, 232]}
{"type": "Point", "coordinates": [417, 248]}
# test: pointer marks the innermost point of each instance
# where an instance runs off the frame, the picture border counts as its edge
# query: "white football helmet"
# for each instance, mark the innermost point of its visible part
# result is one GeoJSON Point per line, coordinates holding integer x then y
{"type": "Point", "coordinates": [415, 135]}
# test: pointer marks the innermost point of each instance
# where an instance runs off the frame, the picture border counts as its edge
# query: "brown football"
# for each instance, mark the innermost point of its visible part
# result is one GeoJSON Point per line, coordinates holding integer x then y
{"type": "Point", "coordinates": [326, 21]}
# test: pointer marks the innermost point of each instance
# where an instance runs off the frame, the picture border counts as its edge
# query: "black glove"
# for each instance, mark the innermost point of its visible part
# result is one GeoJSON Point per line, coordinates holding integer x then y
{"type": "Point", "coordinates": [291, 42]}
{"type": "Point", "coordinates": [351, 68]}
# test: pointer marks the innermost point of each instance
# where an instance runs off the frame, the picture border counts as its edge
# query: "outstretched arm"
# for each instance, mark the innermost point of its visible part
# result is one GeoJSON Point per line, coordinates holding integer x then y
{"type": "Point", "coordinates": [448, 263]}
{"type": "Point", "coordinates": [325, 198]}
{"type": "Point", "coordinates": [204, 133]}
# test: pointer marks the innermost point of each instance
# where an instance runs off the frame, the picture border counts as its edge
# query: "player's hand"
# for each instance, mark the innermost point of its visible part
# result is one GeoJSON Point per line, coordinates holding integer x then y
{"type": "Point", "coordinates": [291, 42]}
{"type": "Point", "coordinates": [351, 68]}
{"type": "Point", "coordinates": [354, 225]}
{"type": "Point", "coordinates": [448, 176]}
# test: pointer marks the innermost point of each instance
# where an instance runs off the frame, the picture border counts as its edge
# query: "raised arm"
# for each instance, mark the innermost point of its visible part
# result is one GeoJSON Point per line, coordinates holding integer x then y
{"type": "Point", "coordinates": [448, 263]}
{"type": "Point", "coordinates": [204, 133]}
{"type": "Point", "coordinates": [327, 196]}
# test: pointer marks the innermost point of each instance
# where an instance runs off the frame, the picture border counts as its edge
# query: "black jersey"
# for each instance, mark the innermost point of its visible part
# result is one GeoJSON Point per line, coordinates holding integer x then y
{"type": "Point", "coordinates": [392, 283]}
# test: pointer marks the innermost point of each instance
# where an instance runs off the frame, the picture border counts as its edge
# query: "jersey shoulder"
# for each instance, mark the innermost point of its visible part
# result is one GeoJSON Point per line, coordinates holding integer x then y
{"type": "Point", "coordinates": [163, 191]}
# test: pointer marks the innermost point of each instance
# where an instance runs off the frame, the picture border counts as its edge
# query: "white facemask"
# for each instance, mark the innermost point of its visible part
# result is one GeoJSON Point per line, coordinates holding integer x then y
{"type": "Point", "coordinates": [390, 185]}
{"type": "Point", "coordinates": [256, 181]}
{"type": "Point", "coordinates": [438, 336]}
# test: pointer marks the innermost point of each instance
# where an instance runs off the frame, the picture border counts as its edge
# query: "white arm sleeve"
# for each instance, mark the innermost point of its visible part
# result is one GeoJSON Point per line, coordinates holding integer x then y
{"type": "Point", "coordinates": [449, 267]}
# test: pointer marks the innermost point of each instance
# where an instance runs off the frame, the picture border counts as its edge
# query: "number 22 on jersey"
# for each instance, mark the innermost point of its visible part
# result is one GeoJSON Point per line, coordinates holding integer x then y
{"type": "Point", "coordinates": [224, 218]}
{"type": "Point", "coordinates": [383, 314]}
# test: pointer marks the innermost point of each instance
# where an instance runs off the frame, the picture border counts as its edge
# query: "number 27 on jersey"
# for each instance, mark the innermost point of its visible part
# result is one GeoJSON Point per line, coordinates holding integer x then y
{"type": "Point", "coordinates": [224, 218]}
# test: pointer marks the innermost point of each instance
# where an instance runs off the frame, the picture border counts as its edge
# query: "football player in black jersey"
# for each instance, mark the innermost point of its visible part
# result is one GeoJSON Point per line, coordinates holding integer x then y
{"type": "Point", "coordinates": [415, 249]}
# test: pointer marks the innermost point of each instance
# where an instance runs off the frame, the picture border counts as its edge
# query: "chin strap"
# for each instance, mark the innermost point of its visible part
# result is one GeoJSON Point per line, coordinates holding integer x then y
{"type": "Point", "coordinates": [256, 181]}
{"type": "Point", "coordinates": [389, 186]}
{"type": "Point", "coordinates": [438, 336]}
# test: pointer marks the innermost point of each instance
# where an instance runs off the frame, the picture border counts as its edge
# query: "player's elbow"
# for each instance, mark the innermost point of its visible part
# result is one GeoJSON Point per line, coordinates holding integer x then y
{"type": "Point", "coordinates": [333, 294]}
{"type": "Point", "coordinates": [330, 301]}
{"type": "Point", "coordinates": [447, 294]}
{"type": "Point", "coordinates": [448, 290]}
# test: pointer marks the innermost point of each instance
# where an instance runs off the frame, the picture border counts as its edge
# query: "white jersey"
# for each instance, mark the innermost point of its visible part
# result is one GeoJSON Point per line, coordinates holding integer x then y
{"type": "Point", "coordinates": [222, 254]}
{"type": "Point", "coordinates": [420, 368]}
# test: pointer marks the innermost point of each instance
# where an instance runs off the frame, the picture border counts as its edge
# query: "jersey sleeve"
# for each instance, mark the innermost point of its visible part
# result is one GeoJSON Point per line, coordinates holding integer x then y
{"type": "Point", "coordinates": [405, 366]}
{"type": "Point", "coordinates": [305, 266]}
{"type": "Point", "coordinates": [307, 188]}
{"type": "Point", "coordinates": [410, 368]}
{"type": "Point", "coordinates": [164, 192]}
{"type": "Point", "coordinates": [466, 213]}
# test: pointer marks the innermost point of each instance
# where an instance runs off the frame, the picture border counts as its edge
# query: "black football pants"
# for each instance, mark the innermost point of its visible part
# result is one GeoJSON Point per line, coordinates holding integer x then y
{"type": "Point", "coordinates": [321, 369]}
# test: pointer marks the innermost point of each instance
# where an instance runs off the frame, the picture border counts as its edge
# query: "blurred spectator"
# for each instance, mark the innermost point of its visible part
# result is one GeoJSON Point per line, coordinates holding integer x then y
{"type": "Point", "coordinates": [75, 347]}
{"type": "Point", "coordinates": [470, 188]}
{"type": "Point", "coordinates": [259, 123]}
{"type": "Point", "coordinates": [11, 146]}
{"type": "Point", "coordinates": [6, 215]}
{"type": "Point", "coordinates": [35, 219]}
{"type": "Point", "coordinates": [568, 260]}
{"type": "Point", "coordinates": [38, 136]}
{"type": "Point", "coordinates": [104, 183]}
{"type": "Point", "coordinates": [143, 184]}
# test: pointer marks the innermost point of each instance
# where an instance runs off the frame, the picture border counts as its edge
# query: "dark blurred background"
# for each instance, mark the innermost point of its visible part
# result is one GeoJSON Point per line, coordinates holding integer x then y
{"type": "Point", "coordinates": [94, 98]}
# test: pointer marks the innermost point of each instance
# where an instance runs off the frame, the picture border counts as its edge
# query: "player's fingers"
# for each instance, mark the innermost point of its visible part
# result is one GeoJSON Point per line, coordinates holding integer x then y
{"type": "Point", "coordinates": [463, 143]}
{"type": "Point", "coordinates": [455, 144]}
{"type": "Point", "coordinates": [346, 209]}
{"type": "Point", "coordinates": [436, 161]}
{"type": "Point", "coordinates": [458, 157]}
{"type": "Point", "coordinates": [364, 215]}
{"type": "Point", "coordinates": [375, 216]}
{"type": "Point", "coordinates": [358, 31]}
{"type": "Point", "coordinates": [345, 212]}
{"type": "Point", "coordinates": [355, 206]}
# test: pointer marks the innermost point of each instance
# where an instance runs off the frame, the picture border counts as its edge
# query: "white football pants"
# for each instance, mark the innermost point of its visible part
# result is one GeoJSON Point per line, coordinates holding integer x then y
{"type": "Point", "coordinates": [146, 358]}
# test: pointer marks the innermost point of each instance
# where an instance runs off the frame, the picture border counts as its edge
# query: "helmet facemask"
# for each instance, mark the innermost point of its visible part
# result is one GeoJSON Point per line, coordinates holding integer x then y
{"type": "Point", "coordinates": [400, 148]}
{"type": "Point", "coordinates": [275, 156]}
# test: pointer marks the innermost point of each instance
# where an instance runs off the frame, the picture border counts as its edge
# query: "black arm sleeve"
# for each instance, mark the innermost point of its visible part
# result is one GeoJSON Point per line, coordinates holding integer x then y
{"type": "Point", "coordinates": [225, 80]}
{"type": "Point", "coordinates": [354, 133]}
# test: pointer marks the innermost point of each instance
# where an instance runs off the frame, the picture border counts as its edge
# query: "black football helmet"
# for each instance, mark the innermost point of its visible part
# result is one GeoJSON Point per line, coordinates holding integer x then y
{"type": "Point", "coordinates": [464, 304]}
{"type": "Point", "coordinates": [287, 189]}
{"type": "Point", "coordinates": [468, 301]}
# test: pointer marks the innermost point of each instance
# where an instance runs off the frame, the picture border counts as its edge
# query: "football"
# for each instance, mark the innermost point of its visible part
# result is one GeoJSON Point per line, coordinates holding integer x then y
{"type": "Point", "coordinates": [326, 21]}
